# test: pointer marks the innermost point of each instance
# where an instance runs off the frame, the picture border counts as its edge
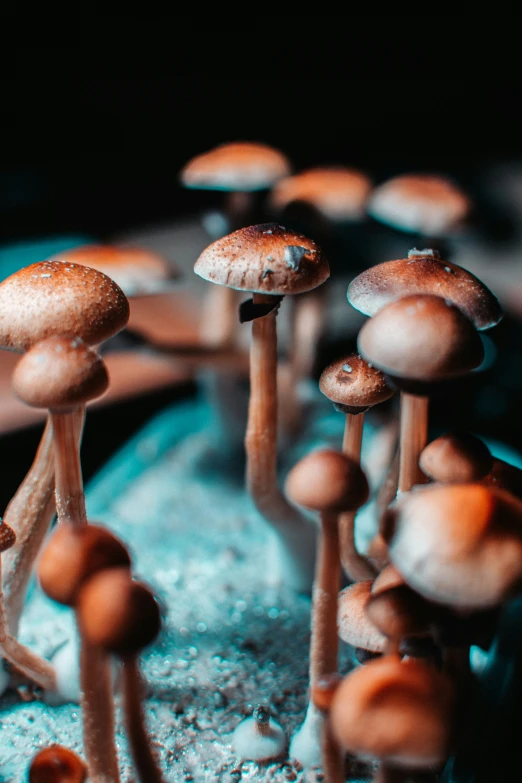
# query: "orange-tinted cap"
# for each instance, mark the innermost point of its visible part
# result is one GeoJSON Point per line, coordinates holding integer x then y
{"type": "Point", "coordinates": [337, 193]}
{"type": "Point", "coordinates": [353, 383]}
{"type": "Point", "coordinates": [237, 166]}
{"type": "Point", "coordinates": [327, 480]}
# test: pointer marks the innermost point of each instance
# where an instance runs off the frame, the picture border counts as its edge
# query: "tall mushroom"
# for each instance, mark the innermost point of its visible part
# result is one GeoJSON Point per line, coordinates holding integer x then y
{"type": "Point", "coordinates": [354, 387]}
{"type": "Point", "coordinates": [270, 261]}
{"type": "Point", "coordinates": [328, 482]}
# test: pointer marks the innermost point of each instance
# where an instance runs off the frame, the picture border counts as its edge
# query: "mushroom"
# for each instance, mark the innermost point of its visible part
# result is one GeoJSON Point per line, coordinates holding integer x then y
{"type": "Point", "coordinates": [330, 483]}
{"type": "Point", "coordinates": [259, 738]}
{"type": "Point", "coordinates": [456, 457]}
{"type": "Point", "coordinates": [353, 386]}
{"type": "Point", "coordinates": [355, 627]}
{"type": "Point", "coordinates": [322, 694]}
{"type": "Point", "coordinates": [269, 261]}
{"type": "Point", "coordinates": [399, 613]}
{"type": "Point", "coordinates": [122, 616]}
{"type": "Point", "coordinates": [57, 764]}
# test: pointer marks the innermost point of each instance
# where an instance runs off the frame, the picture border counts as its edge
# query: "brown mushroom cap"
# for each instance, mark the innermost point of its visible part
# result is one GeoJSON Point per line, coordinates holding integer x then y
{"type": "Point", "coordinates": [456, 457]}
{"type": "Point", "coordinates": [398, 612]}
{"type": "Point", "coordinates": [56, 764]}
{"type": "Point", "coordinates": [60, 372]}
{"type": "Point", "coordinates": [327, 480]}
{"type": "Point", "coordinates": [424, 273]}
{"type": "Point", "coordinates": [458, 544]}
{"type": "Point", "coordinates": [266, 259]}
{"type": "Point", "coordinates": [54, 297]}
{"type": "Point", "coordinates": [337, 193]}
{"type": "Point", "coordinates": [355, 627]}
{"type": "Point", "coordinates": [389, 577]}
{"type": "Point", "coordinates": [399, 712]}
{"type": "Point", "coordinates": [237, 166]}
{"type": "Point", "coordinates": [420, 203]}
{"type": "Point", "coordinates": [73, 554]}
{"type": "Point", "coordinates": [7, 537]}
{"type": "Point", "coordinates": [118, 613]}
{"type": "Point", "coordinates": [355, 384]}
{"type": "Point", "coordinates": [422, 338]}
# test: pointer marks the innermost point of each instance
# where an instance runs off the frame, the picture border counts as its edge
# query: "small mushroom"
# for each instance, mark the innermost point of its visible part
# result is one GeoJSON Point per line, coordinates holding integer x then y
{"type": "Point", "coordinates": [57, 764]}
{"type": "Point", "coordinates": [456, 457]}
{"type": "Point", "coordinates": [353, 386]}
{"type": "Point", "coordinates": [399, 613]}
{"type": "Point", "coordinates": [259, 738]}
{"type": "Point", "coordinates": [355, 627]}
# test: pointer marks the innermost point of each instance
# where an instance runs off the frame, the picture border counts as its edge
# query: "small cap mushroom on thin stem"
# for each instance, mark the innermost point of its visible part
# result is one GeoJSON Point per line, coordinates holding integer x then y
{"type": "Point", "coordinates": [57, 764]}
{"type": "Point", "coordinates": [456, 457]}
{"type": "Point", "coordinates": [122, 617]}
{"type": "Point", "coordinates": [259, 738]}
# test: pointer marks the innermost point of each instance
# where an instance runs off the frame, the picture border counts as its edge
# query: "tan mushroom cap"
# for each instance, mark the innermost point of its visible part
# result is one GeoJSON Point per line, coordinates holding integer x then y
{"type": "Point", "coordinates": [422, 338]}
{"type": "Point", "coordinates": [399, 612]}
{"type": "Point", "coordinates": [353, 382]}
{"type": "Point", "coordinates": [7, 537]}
{"type": "Point", "coordinates": [423, 272]}
{"type": "Point", "coordinates": [327, 480]}
{"type": "Point", "coordinates": [266, 259]}
{"type": "Point", "coordinates": [422, 203]}
{"type": "Point", "coordinates": [237, 166]}
{"type": "Point", "coordinates": [398, 712]}
{"type": "Point", "coordinates": [135, 269]}
{"type": "Point", "coordinates": [355, 627]}
{"type": "Point", "coordinates": [456, 457]}
{"type": "Point", "coordinates": [337, 193]}
{"type": "Point", "coordinates": [458, 544]}
{"type": "Point", "coordinates": [60, 372]}
{"type": "Point", "coordinates": [55, 297]}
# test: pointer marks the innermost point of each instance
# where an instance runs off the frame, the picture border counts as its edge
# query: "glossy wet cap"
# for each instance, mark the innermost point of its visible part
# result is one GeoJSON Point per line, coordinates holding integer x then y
{"type": "Point", "coordinates": [400, 712]}
{"type": "Point", "coordinates": [456, 457]}
{"type": "Point", "coordinates": [117, 612]}
{"type": "Point", "coordinates": [7, 537]}
{"type": "Point", "coordinates": [54, 297]}
{"type": "Point", "coordinates": [60, 372]}
{"type": "Point", "coordinates": [423, 272]}
{"type": "Point", "coordinates": [458, 544]}
{"type": "Point", "coordinates": [327, 480]}
{"type": "Point", "coordinates": [135, 269]}
{"type": "Point", "coordinates": [420, 203]}
{"type": "Point", "coordinates": [399, 612]}
{"type": "Point", "coordinates": [421, 338]}
{"type": "Point", "coordinates": [241, 166]}
{"type": "Point", "coordinates": [267, 259]}
{"type": "Point", "coordinates": [355, 627]}
{"type": "Point", "coordinates": [74, 553]}
{"type": "Point", "coordinates": [353, 383]}
{"type": "Point", "coordinates": [337, 193]}
{"type": "Point", "coordinates": [57, 764]}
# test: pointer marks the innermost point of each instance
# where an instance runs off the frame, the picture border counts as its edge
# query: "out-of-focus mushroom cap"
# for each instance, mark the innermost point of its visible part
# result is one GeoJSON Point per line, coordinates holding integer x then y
{"type": "Point", "coordinates": [327, 480]}
{"type": "Point", "coordinates": [60, 372]}
{"type": "Point", "coordinates": [424, 273]}
{"type": "Point", "coordinates": [7, 537]}
{"type": "Point", "coordinates": [399, 612]}
{"type": "Point", "coordinates": [57, 764]}
{"type": "Point", "coordinates": [398, 712]}
{"type": "Point", "coordinates": [266, 259]}
{"type": "Point", "coordinates": [55, 297]}
{"type": "Point", "coordinates": [337, 193]}
{"type": "Point", "coordinates": [421, 338]}
{"type": "Point", "coordinates": [458, 544]}
{"type": "Point", "coordinates": [355, 383]}
{"type": "Point", "coordinates": [389, 577]}
{"type": "Point", "coordinates": [420, 203]}
{"type": "Point", "coordinates": [456, 457]}
{"type": "Point", "coordinates": [238, 166]}
{"type": "Point", "coordinates": [354, 625]}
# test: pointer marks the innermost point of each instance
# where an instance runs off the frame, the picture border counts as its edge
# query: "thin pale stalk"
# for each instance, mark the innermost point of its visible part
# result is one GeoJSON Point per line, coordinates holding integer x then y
{"type": "Point", "coordinates": [324, 644]}
{"type": "Point", "coordinates": [70, 499]}
{"type": "Point", "coordinates": [146, 764]}
{"type": "Point", "coordinates": [219, 317]}
{"type": "Point", "coordinates": [414, 437]}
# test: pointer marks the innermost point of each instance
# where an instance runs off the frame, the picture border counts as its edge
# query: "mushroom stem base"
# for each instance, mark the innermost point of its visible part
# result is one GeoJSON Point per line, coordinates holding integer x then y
{"type": "Point", "coordinates": [146, 765]}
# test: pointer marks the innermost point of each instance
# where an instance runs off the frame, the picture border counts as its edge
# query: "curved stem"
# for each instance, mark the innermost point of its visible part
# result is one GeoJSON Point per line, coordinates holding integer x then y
{"type": "Point", "coordinates": [295, 533]}
{"type": "Point", "coordinates": [146, 764]}
{"type": "Point", "coordinates": [414, 437]}
{"type": "Point", "coordinates": [70, 499]}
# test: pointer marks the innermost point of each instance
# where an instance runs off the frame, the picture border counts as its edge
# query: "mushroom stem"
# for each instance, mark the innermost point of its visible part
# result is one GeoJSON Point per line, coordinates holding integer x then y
{"type": "Point", "coordinates": [146, 765]}
{"type": "Point", "coordinates": [295, 534]}
{"type": "Point", "coordinates": [386, 774]}
{"type": "Point", "coordinates": [219, 318]}
{"type": "Point", "coordinates": [325, 640]}
{"type": "Point", "coordinates": [356, 567]}
{"type": "Point", "coordinates": [414, 437]}
{"type": "Point", "coordinates": [238, 206]}
{"type": "Point", "coordinates": [70, 499]}
{"type": "Point", "coordinates": [98, 714]}
{"type": "Point", "coordinates": [333, 757]}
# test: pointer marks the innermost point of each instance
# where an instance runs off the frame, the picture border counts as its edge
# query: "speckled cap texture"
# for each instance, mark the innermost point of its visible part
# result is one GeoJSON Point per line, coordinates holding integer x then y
{"type": "Point", "coordinates": [353, 382]}
{"type": "Point", "coordinates": [241, 166]}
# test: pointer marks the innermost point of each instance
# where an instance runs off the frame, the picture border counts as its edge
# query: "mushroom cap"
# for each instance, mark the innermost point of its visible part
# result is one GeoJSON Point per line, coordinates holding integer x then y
{"type": "Point", "coordinates": [354, 383]}
{"type": "Point", "coordinates": [265, 259]}
{"type": "Point", "coordinates": [389, 577]}
{"type": "Point", "coordinates": [327, 480]}
{"type": "Point", "coordinates": [456, 457]}
{"type": "Point", "coordinates": [397, 711]}
{"type": "Point", "coordinates": [57, 764]}
{"type": "Point", "coordinates": [323, 689]}
{"type": "Point", "coordinates": [355, 627]}
{"type": "Point", "coordinates": [420, 203]}
{"type": "Point", "coordinates": [424, 273]}
{"type": "Point", "coordinates": [458, 544]}
{"type": "Point", "coordinates": [7, 537]}
{"type": "Point", "coordinates": [236, 166]}
{"type": "Point", "coordinates": [337, 193]}
{"type": "Point", "coordinates": [60, 372]}
{"type": "Point", "coordinates": [117, 612]}
{"type": "Point", "coordinates": [421, 338]}
{"type": "Point", "coordinates": [135, 269]}
{"type": "Point", "coordinates": [55, 297]}
{"type": "Point", "coordinates": [398, 612]}
{"type": "Point", "coordinates": [74, 553]}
